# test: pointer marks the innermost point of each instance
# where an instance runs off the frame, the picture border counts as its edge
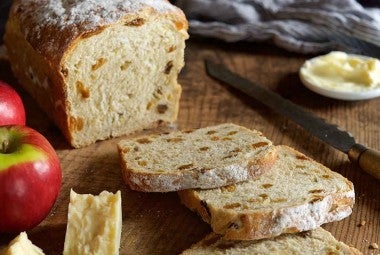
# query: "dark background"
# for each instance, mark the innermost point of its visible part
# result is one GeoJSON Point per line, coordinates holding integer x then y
{"type": "Point", "coordinates": [4, 7]}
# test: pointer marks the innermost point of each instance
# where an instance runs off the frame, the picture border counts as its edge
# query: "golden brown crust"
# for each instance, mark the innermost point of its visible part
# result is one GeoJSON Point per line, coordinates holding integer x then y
{"type": "Point", "coordinates": [318, 241]}
{"type": "Point", "coordinates": [251, 225]}
{"type": "Point", "coordinates": [50, 98]}
{"type": "Point", "coordinates": [42, 35]}
{"type": "Point", "coordinates": [263, 223]}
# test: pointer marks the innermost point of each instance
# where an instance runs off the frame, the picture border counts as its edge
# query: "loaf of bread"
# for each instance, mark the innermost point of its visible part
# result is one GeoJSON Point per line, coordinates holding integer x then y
{"type": "Point", "coordinates": [315, 242]}
{"type": "Point", "coordinates": [204, 158]}
{"type": "Point", "coordinates": [297, 194]}
{"type": "Point", "coordinates": [99, 69]}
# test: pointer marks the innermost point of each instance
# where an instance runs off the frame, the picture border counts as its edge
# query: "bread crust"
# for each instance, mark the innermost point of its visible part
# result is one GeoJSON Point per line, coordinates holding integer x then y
{"type": "Point", "coordinates": [199, 178]}
{"type": "Point", "coordinates": [318, 241]}
{"type": "Point", "coordinates": [271, 222]}
{"type": "Point", "coordinates": [266, 224]}
{"type": "Point", "coordinates": [26, 13]}
{"type": "Point", "coordinates": [46, 45]}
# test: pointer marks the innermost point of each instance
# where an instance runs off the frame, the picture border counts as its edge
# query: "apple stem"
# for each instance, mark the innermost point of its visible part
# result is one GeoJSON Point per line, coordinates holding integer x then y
{"type": "Point", "coordinates": [5, 146]}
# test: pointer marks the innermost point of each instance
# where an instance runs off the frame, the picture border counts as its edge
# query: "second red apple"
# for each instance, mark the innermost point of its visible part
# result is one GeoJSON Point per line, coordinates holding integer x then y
{"type": "Point", "coordinates": [12, 110]}
{"type": "Point", "coordinates": [30, 178]}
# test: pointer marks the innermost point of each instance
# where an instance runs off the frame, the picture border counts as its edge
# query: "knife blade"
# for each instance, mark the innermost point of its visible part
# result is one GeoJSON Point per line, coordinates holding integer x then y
{"type": "Point", "coordinates": [367, 159]}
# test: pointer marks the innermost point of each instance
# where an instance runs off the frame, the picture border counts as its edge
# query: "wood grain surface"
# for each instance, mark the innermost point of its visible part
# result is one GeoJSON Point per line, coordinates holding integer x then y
{"type": "Point", "coordinates": [158, 223]}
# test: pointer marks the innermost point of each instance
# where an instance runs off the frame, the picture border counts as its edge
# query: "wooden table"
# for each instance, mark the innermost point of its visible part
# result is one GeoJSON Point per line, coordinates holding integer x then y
{"type": "Point", "coordinates": [158, 223]}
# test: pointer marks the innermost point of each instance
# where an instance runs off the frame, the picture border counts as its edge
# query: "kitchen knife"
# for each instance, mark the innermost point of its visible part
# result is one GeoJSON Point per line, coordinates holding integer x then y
{"type": "Point", "coordinates": [367, 159]}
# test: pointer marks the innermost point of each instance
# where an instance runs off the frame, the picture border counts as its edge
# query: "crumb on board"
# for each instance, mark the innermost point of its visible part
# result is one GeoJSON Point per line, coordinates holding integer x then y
{"type": "Point", "coordinates": [373, 246]}
{"type": "Point", "coordinates": [362, 223]}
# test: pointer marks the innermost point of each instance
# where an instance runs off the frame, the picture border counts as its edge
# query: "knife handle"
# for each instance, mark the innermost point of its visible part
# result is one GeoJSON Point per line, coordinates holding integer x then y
{"type": "Point", "coordinates": [367, 159]}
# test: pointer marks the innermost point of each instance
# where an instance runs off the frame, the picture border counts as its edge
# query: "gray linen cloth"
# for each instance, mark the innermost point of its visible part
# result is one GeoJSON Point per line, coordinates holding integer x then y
{"type": "Point", "coordinates": [304, 26]}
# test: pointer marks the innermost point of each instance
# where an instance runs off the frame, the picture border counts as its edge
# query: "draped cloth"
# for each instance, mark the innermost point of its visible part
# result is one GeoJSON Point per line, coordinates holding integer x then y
{"type": "Point", "coordinates": [304, 26]}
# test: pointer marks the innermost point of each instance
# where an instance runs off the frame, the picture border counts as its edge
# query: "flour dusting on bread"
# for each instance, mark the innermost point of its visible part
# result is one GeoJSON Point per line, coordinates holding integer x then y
{"type": "Point", "coordinates": [204, 158]}
{"type": "Point", "coordinates": [296, 194]}
{"type": "Point", "coordinates": [99, 69]}
{"type": "Point", "coordinates": [92, 13]}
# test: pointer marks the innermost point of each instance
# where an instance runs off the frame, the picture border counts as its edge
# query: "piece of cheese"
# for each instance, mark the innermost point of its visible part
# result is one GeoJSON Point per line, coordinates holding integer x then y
{"type": "Point", "coordinates": [94, 224]}
{"type": "Point", "coordinates": [21, 245]}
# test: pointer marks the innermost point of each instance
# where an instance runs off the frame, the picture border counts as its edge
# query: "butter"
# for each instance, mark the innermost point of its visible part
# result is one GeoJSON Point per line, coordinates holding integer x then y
{"type": "Point", "coordinates": [21, 245]}
{"type": "Point", "coordinates": [94, 224]}
{"type": "Point", "coordinates": [339, 71]}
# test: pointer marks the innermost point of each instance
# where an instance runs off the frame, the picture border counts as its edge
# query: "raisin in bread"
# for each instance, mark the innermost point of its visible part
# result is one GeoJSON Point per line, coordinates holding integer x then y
{"type": "Point", "coordinates": [314, 242]}
{"type": "Point", "coordinates": [297, 194]}
{"type": "Point", "coordinates": [99, 69]}
{"type": "Point", "coordinates": [204, 158]}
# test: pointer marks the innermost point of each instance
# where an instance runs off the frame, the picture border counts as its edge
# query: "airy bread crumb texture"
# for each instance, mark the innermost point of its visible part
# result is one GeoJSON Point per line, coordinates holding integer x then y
{"type": "Point", "coordinates": [296, 194]}
{"type": "Point", "coordinates": [127, 82]}
{"type": "Point", "coordinates": [318, 242]}
{"type": "Point", "coordinates": [205, 158]}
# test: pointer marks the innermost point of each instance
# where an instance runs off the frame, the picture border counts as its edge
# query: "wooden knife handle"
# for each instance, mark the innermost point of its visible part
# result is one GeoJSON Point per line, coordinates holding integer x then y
{"type": "Point", "coordinates": [367, 159]}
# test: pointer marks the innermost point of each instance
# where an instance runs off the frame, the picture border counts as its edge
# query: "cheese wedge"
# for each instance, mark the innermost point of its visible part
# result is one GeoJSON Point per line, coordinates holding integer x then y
{"type": "Point", "coordinates": [21, 245]}
{"type": "Point", "coordinates": [94, 224]}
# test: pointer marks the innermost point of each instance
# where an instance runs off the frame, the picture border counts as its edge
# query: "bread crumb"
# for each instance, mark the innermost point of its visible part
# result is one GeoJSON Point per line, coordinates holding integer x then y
{"type": "Point", "coordinates": [373, 246]}
{"type": "Point", "coordinates": [362, 223]}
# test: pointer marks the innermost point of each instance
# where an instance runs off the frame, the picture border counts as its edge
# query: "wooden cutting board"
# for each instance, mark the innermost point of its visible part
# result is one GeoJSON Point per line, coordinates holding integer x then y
{"type": "Point", "coordinates": [158, 223]}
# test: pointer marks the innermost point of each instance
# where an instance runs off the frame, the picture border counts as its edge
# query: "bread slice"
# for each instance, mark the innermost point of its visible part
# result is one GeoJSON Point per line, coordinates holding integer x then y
{"type": "Point", "coordinates": [99, 69]}
{"type": "Point", "coordinates": [297, 194]}
{"type": "Point", "coordinates": [314, 242]}
{"type": "Point", "coordinates": [204, 158]}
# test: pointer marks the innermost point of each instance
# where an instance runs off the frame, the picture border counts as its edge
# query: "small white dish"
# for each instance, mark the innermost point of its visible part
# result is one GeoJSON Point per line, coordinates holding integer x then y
{"type": "Point", "coordinates": [342, 95]}
{"type": "Point", "coordinates": [339, 94]}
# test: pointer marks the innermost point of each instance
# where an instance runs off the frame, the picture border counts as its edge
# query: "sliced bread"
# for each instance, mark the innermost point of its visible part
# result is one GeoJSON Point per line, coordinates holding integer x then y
{"type": "Point", "coordinates": [297, 194]}
{"type": "Point", "coordinates": [99, 68]}
{"type": "Point", "coordinates": [204, 158]}
{"type": "Point", "coordinates": [315, 242]}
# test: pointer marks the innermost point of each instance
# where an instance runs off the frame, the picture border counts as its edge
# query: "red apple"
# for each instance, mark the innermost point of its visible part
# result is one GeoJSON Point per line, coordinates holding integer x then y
{"type": "Point", "coordinates": [30, 178]}
{"type": "Point", "coordinates": [12, 110]}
